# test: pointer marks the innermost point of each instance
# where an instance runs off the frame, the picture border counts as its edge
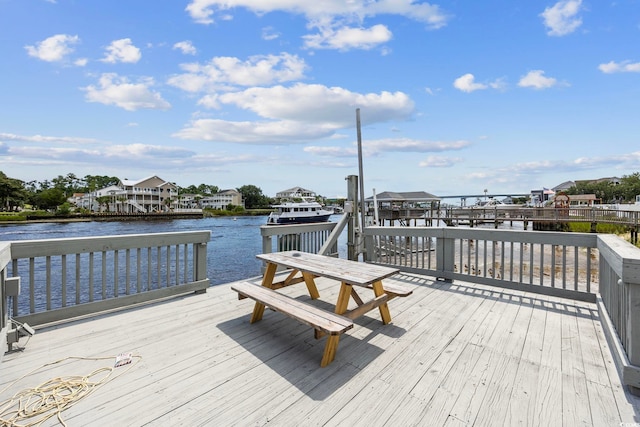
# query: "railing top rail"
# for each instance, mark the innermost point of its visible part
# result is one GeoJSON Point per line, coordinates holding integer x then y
{"type": "Point", "coordinates": [275, 230]}
{"type": "Point", "coordinates": [541, 237]}
{"type": "Point", "coordinates": [622, 256]}
{"type": "Point", "coordinates": [5, 254]}
{"type": "Point", "coordinates": [52, 247]}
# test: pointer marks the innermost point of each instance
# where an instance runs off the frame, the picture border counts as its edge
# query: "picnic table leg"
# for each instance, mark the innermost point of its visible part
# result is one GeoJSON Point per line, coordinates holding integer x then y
{"type": "Point", "coordinates": [343, 298]}
{"type": "Point", "coordinates": [267, 280]}
{"type": "Point", "coordinates": [269, 274]}
{"type": "Point", "coordinates": [330, 349]}
{"type": "Point", "coordinates": [384, 308]}
{"type": "Point", "coordinates": [311, 285]}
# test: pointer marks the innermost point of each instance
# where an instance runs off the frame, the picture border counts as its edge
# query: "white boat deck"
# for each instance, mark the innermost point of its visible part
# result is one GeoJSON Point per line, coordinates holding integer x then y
{"type": "Point", "coordinates": [455, 355]}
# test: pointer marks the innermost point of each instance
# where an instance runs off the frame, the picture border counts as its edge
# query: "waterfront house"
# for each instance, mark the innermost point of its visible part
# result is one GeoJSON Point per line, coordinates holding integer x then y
{"type": "Point", "coordinates": [297, 193]}
{"type": "Point", "coordinates": [151, 194]}
{"type": "Point", "coordinates": [222, 199]}
{"type": "Point", "coordinates": [147, 195]}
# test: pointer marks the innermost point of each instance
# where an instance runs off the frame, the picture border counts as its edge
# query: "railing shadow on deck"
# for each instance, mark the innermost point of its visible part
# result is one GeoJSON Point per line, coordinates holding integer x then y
{"type": "Point", "coordinates": [502, 295]}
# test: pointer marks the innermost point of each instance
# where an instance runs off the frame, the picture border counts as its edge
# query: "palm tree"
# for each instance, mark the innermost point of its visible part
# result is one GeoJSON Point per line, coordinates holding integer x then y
{"type": "Point", "coordinates": [104, 200]}
{"type": "Point", "coordinates": [121, 200]}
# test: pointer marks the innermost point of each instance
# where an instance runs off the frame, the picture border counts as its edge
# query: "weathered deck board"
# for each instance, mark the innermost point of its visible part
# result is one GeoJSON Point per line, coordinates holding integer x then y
{"type": "Point", "coordinates": [455, 354]}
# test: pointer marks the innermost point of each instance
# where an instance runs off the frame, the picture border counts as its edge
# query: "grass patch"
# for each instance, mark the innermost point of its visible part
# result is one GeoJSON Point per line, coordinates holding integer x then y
{"type": "Point", "coordinates": [585, 227]}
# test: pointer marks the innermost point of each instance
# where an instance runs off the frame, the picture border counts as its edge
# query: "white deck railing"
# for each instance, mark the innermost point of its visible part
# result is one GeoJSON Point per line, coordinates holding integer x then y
{"type": "Point", "coordinates": [604, 269]}
{"type": "Point", "coordinates": [559, 264]}
{"type": "Point", "coordinates": [5, 259]}
{"type": "Point", "coordinates": [301, 237]}
{"type": "Point", "coordinates": [64, 278]}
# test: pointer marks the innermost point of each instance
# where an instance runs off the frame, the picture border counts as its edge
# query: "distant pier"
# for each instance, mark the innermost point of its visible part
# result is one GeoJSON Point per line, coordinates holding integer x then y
{"type": "Point", "coordinates": [540, 219]}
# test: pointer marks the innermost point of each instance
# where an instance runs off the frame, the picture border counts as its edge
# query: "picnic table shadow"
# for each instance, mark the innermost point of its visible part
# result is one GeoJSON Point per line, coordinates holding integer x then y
{"type": "Point", "coordinates": [289, 348]}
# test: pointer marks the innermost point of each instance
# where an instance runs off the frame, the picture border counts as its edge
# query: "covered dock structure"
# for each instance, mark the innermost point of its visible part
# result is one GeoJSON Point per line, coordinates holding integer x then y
{"type": "Point", "coordinates": [402, 207]}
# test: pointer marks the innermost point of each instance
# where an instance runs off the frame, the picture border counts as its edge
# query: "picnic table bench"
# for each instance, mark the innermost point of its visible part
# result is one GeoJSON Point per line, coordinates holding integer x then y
{"type": "Point", "coordinates": [305, 267]}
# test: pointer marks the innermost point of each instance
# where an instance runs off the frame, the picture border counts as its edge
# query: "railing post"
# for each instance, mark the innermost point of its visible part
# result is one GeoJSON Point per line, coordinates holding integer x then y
{"type": "Point", "coordinates": [445, 259]}
{"type": "Point", "coordinates": [633, 328]}
{"type": "Point", "coordinates": [200, 262]}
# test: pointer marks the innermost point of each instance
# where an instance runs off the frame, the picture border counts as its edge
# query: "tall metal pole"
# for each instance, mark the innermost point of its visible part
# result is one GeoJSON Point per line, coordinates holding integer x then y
{"type": "Point", "coordinates": [352, 225]}
{"type": "Point", "coordinates": [360, 176]}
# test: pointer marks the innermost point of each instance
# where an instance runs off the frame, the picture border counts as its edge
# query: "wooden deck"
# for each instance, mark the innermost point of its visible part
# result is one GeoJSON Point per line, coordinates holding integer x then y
{"type": "Point", "coordinates": [455, 354]}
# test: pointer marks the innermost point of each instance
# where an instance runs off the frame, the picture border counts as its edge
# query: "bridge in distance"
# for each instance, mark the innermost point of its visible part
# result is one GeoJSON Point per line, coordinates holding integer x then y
{"type": "Point", "coordinates": [464, 197]}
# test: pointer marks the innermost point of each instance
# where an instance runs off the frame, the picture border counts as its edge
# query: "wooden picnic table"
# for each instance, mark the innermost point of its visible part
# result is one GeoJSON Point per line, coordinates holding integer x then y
{"type": "Point", "coordinates": [305, 267]}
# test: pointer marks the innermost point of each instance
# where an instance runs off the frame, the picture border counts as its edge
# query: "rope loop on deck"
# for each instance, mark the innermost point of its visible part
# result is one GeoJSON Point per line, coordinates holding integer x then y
{"type": "Point", "coordinates": [33, 406]}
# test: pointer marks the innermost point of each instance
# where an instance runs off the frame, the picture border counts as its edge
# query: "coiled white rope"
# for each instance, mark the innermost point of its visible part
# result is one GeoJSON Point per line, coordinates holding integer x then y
{"type": "Point", "coordinates": [33, 406]}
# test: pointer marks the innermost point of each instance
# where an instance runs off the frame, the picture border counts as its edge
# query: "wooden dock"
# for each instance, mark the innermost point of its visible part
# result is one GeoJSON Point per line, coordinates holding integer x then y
{"type": "Point", "coordinates": [455, 354]}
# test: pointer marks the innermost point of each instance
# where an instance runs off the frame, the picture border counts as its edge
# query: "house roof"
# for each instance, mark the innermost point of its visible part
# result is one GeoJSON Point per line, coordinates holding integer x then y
{"type": "Point", "coordinates": [405, 196]}
{"type": "Point", "coordinates": [296, 190]}
{"type": "Point", "coordinates": [564, 186]}
{"type": "Point", "coordinates": [132, 183]}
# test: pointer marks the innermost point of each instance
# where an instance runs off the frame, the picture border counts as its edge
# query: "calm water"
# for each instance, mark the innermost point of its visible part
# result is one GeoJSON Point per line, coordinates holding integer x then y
{"type": "Point", "coordinates": [231, 252]}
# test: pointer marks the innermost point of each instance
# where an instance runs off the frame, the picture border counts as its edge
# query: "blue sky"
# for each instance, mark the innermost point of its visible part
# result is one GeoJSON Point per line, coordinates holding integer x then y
{"type": "Point", "coordinates": [455, 97]}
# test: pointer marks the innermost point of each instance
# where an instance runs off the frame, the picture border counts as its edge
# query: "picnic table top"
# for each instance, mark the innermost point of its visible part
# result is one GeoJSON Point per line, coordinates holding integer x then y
{"type": "Point", "coordinates": [351, 272]}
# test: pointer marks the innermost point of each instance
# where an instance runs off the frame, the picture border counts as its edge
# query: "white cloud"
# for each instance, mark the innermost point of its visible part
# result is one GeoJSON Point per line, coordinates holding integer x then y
{"type": "Point", "coordinates": [298, 114]}
{"type": "Point", "coordinates": [334, 107]}
{"type": "Point", "coordinates": [337, 21]}
{"type": "Point", "coordinates": [269, 33]}
{"type": "Point", "coordinates": [439, 162]}
{"type": "Point", "coordinates": [222, 72]}
{"type": "Point", "coordinates": [122, 51]}
{"type": "Point", "coordinates": [139, 157]}
{"type": "Point", "coordinates": [414, 145]}
{"type": "Point", "coordinates": [347, 38]}
{"type": "Point", "coordinates": [40, 138]}
{"type": "Point", "coordinates": [561, 18]}
{"type": "Point", "coordinates": [620, 67]}
{"type": "Point", "coordinates": [331, 151]}
{"type": "Point", "coordinates": [467, 83]}
{"type": "Point", "coordinates": [54, 48]}
{"type": "Point", "coordinates": [406, 145]}
{"type": "Point", "coordinates": [118, 91]}
{"type": "Point", "coordinates": [186, 47]}
{"type": "Point", "coordinates": [274, 132]}
{"type": "Point", "coordinates": [536, 79]}
{"type": "Point", "coordinates": [202, 11]}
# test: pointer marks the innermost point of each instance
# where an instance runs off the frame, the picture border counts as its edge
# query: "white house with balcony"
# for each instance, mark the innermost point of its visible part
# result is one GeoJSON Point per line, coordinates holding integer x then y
{"type": "Point", "coordinates": [223, 199]}
{"type": "Point", "coordinates": [147, 195]}
{"type": "Point", "coordinates": [296, 193]}
{"type": "Point", "coordinates": [151, 194]}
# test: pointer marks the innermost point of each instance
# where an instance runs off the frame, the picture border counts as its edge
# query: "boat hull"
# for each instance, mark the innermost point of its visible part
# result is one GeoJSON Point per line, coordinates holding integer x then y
{"type": "Point", "coordinates": [282, 220]}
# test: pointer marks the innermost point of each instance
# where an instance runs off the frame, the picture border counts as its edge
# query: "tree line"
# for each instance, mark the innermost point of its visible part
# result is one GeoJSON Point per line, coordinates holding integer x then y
{"type": "Point", "coordinates": [50, 194]}
{"type": "Point", "coordinates": [610, 192]}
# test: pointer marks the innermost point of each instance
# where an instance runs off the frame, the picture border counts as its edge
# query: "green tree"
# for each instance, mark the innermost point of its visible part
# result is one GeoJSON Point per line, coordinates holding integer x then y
{"type": "Point", "coordinates": [97, 182]}
{"type": "Point", "coordinates": [12, 193]}
{"type": "Point", "coordinates": [200, 189]}
{"type": "Point", "coordinates": [103, 200]}
{"type": "Point", "coordinates": [253, 197]}
{"type": "Point", "coordinates": [50, 198]}
{"type": "Point", "coordinates": [630, 186]}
